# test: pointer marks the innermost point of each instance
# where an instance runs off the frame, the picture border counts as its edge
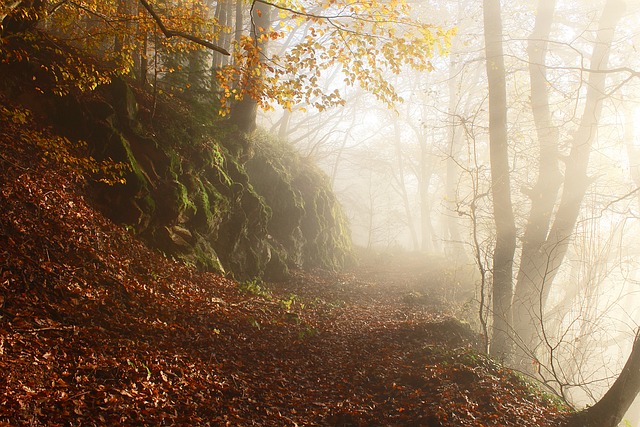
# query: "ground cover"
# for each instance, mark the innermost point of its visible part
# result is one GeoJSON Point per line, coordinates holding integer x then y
{"type": "Point", "coordinates": [97, 329]}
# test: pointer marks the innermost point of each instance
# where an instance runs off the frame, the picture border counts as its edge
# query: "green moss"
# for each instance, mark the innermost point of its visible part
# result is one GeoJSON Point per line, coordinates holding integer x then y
{"type": "Point", "coordinates": [204, 213]}
{"type": "Point", "coordinates": [175, 163]}
{"type": "Point", "coordinates": [132, 203]}
{"type": "Point", "coordinates": [218, 203]}
{"type": "Point", "coordinates": [262, 210]}
{"type": "Point", "coordinates": [206, 257]}
{"type": "Point", "coordinates": [148, 204]}
{"type": "Point", "coordinates": [184, 206]}
{"type": "Point", "coordinates": [210, 205]}
{"type": "Point", "coordinates": [307, 222]}
{"type": "Point", "coordinates": [115, 146]}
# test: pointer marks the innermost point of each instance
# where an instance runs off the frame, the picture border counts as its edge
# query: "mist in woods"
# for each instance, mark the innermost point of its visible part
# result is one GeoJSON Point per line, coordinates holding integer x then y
{"type": "Point", "coordinates": [500, 139]}
{"type": "Point", "coordinates": [418, 178]}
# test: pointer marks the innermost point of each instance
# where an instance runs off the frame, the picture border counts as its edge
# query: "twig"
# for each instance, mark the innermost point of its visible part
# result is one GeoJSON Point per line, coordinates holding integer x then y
{"type": "Point", "coordinates": [14, 164]}
{"type": "Point", "coordinates": [172, 33]}
{"type": "Point", "coordinates": [49, 328]}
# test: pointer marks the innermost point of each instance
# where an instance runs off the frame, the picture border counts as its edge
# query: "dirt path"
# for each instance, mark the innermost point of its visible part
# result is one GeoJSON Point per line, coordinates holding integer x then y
{"type": "Point", "coordinates": [96, 329]}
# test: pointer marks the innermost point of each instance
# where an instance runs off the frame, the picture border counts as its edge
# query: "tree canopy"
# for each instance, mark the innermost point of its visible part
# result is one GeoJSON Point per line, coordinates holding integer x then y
{"type": "Point", "coordinates": [364, 41]}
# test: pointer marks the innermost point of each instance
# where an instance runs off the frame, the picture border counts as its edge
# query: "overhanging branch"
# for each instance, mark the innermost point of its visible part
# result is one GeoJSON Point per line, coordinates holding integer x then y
{"type": "Point", "coordinates": [172, 33]}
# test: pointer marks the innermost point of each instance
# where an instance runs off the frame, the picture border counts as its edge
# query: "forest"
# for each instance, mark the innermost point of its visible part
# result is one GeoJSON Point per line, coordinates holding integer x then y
{"type": "Point", "coordinates": [319, 213]}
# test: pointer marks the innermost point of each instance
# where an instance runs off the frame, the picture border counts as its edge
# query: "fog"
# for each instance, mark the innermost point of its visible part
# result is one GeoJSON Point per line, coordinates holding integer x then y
{"type": "Point", "coordinates": [419, 178]}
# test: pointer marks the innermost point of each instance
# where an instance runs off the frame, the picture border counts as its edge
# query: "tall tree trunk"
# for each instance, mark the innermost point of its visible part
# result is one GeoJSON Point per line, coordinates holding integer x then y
{"type": "Point", "coordinates": [196, 59]}
{"type": "Point", "coordinates": [239, 21]}
{"type": "Point", "coordinates": [454, 141]}
{"type": "Point", "coordinates": [222, 14]}
{"type": "Point", "coordinates": [143, 64]}
{"type": "Point", "coordinates": [609, 411]}
{"type": "Point", "coordinates": [343, 145]}
{"type": "Point", "coordinates": [544, 194]}
{"type": "Point", "coordinates": [126, 9]}
{"type": "Point", "coordinates": [244, 112]}
{"type": "Point", "coordinates": [543, 259]}
{"type": "Point", "coordinates": [500, 182]}
{"type": "Point", "coordinates": [402, 190]}
{"type": "Point", "coordinates": [633, 152]}
{"type": "Point", "coordinates": [425, 173]}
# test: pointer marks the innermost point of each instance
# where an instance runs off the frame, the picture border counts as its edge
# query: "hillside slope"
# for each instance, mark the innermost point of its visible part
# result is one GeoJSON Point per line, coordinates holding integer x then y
{"type": "Point", "coordinates": [189, 191]}
{"type": "Point", "coordinates": [97, 329]}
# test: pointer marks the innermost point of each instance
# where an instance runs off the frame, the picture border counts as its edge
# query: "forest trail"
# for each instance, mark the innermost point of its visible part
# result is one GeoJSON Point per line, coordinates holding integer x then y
{"type": "Point", "coordinates": [97, 329]}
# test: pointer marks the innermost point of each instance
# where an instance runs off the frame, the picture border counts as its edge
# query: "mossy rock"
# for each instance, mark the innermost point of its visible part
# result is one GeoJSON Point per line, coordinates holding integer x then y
{"type": "Point", "coordinates": [277, 268]}
{"type": "Point", "coordinates": [205, 194]}
{"type": "Point", "coordinates": [131, 203]}
{"type": "Point", "coordinates": [125, 105]}
{"type": "Point", "coordinates": [307, 220]}
{"type": "Point", "coordinates": [205, 257]}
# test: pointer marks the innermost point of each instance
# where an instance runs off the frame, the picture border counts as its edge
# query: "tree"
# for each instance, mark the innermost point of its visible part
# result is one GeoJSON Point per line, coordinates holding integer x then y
{"type": "Point", "coordinates": [547, 236]}
{"type": "Point", "coordinates": [22, 15]}
{"type": "Point", "coordinates": [362, 40]}
{"type": "Point", "coordinates": [544, 194]}
{"type": "Point", "coordinates": [610, 409]}
{"type": "Point", "coordinates": [243, 112]}
{"type": "Point", "coordinates": [505, 228]}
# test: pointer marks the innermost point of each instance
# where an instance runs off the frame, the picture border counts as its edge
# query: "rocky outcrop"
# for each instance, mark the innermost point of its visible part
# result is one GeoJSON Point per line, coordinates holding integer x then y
{"type": "Point", "coordinates": [255, 213]}
{"type": "Point", "coordinates": [307, 227]}
{"type": "Point", "coordinates": [196, 188]}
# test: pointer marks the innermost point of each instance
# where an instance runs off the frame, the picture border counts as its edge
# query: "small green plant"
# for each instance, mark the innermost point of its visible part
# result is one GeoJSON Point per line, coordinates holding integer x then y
{"type": "Point", "coordinates": [144, 365]}
{"type": "Point", "coordinates": [253, 322]}
{"type": "Point", "coordinates": [288, 302]}
{"type": "Point", "coordinates": [473, 358]}
{"type": "Point", "coordinates": [255, 287]}
{"type": "Point", "coordinates": [307, 332]}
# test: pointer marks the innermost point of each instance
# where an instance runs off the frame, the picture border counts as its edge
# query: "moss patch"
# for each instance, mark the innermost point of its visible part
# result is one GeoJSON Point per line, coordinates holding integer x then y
{"type": "Point", "coordinates": [308, 226]}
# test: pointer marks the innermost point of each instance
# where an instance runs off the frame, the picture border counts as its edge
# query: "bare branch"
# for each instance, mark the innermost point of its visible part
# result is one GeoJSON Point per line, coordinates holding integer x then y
{"type": "Point", "coordinates": [9, 8]}
{"type": "Point", "coordinates": [172, 33]}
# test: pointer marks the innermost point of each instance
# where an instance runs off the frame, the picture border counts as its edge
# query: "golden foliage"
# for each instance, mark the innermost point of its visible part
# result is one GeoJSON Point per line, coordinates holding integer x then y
{"type": "Point", "coordinates": [59, 149]}
{"type": "Point", "coordinates": [109, 32]}
{"type": "Point", "coordinates": [365, 40]}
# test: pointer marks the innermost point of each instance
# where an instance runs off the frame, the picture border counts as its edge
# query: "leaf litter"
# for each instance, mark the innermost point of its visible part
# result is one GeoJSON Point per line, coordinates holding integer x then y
{"type": "Point", "coordinates": [98, 329]}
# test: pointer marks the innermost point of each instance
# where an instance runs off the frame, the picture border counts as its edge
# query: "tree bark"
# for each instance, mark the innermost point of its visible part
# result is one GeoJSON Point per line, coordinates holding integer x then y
{"type": "Point", "coordinates": [633, 152]}
{"type": "Point", "coordinates": [428, 239]}
{"type": "Point", "coordinates": [542, 259]}
{"type": "Point", "coordinates": [402, 187]}
{"type": "Point", "coordinates": [500, 182]}
{"type": "Point", "coordinates": [454, 143]}
{"type": "Point", "coordinates": [223, 14]}
{"type": "Point", "coordinates": [545, 192]}
{"type": "Point", "coordinates": [244, 112]}
{"type": "Point", "coordinates": [454, 138]}
{"type": "Point", "coordinates": [609, 411]}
